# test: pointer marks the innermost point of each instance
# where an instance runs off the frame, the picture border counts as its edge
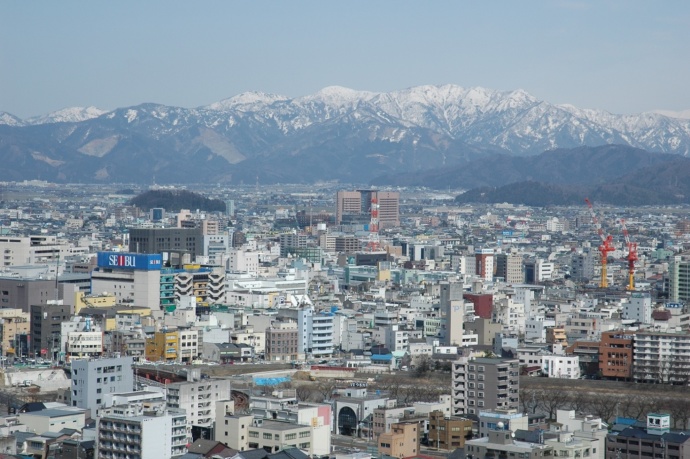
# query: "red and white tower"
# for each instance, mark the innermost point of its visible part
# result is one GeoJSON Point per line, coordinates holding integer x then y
{"type": "Point", "coordinates": [374, 244]}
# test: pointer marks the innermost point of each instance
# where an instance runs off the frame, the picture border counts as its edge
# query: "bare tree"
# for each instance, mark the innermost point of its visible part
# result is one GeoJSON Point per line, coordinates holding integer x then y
{"type": "Point", "coordinates": [635, 406]}
{"type": "Point", "coordinates": [552, 400]}
{"type": "Point", "coordinates": [304, 392]}
{"type": "Point", "coordinates": [578, 402]}
{"type": "Point", "coordinates": [325, 388]}
{"type": "Point", "coordinates": [528, 400]}
{"type": "Point", "coordinates": [391, 385]}
{"type": "Point", "coordinates": [681, 413]}
{"type": "Point", "coordinates": [424, 366]}
{"type": "Point", "coordinates": [604, 406]}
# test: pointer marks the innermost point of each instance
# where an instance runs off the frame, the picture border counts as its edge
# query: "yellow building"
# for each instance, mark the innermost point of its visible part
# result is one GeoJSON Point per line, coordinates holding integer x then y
{"type": "Point", "coordinates": [556, 335]}
{"type": "Point", "coordinates": [162, 347]}
{"type": "Point", "coordinates": [93, 301]}
{"type": "Point", "coordinates": [401, 441]}
{"type": "Point", "coordinates": [13, 323]}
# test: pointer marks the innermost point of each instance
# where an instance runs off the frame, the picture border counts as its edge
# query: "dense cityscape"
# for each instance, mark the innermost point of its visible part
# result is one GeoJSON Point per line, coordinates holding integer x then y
{"type": "Point", "coordinates": [339, 321]}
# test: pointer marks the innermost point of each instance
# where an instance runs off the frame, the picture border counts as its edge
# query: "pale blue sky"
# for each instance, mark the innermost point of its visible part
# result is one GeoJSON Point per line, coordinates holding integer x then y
{"type": "Point", "coordinates": [621, 56]}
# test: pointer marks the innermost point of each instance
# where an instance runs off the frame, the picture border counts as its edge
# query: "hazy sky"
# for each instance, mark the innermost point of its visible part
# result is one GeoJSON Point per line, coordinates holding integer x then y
{"type": "Point", "coordinates": [621, 56]}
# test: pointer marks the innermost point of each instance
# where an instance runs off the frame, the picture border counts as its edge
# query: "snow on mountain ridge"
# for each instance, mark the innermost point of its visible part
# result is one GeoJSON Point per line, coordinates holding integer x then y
{"type": "Point", "coordinates": [249, 99]}
{"type": "Point", "coordinates": [512, 120]}
{"type": "Point", "coordinates": [9, 119]}
{"type": "Point", "coordinates": [67, 115]}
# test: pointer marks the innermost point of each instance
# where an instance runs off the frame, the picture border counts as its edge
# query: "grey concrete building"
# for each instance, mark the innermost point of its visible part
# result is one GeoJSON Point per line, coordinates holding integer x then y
{"type": "Point", "coordinates": [173, 240]}
{"type": "Point", "coordinates": [485, 384]}
{"type": "Point", "coordinates": [582, 267]}
{"type": "Point", "coordinates": [46, 321]}
{"type": "Point", "coordinates": [22, 292]}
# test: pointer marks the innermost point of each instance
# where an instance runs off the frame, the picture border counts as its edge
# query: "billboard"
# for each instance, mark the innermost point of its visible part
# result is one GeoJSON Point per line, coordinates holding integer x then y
{"type": "Point", "coordinates": [119, 260]}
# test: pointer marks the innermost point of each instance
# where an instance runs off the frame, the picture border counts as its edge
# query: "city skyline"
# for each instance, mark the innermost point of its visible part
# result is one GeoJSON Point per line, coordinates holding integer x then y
{"type": "Point", "coordinates": [623, 57]}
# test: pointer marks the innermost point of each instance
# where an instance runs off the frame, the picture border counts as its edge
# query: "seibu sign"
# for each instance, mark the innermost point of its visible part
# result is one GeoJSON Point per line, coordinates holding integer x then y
{"type": "Point", "coordinates": [124, 261]}
{"type": "Point", "coordinates": [119, 260]}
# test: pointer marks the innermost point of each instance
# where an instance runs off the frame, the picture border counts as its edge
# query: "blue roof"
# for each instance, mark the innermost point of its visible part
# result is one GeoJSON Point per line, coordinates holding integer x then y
{"type": "Point", "coordinates": [382, 357]}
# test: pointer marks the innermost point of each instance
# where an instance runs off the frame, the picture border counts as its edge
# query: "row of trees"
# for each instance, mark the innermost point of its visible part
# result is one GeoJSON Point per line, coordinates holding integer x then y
{"type": "Point", "coordinates": [607, 404]}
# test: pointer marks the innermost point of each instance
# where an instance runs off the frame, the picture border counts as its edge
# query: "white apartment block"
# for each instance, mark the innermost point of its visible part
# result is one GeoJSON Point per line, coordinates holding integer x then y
{"type": "Point", "coordinates": [510, 314]}
{"type": "Point", "coordinates": [561, 366]}
{"type": "Point", "coordinates": [243, 261]}
{"type": "Point", "coordinates": [315, 332]}
{"type": "Point", "coordinates": [639, 308]}
{"type": "Point", "coordinates": [662, 357]}
{"type": "Point", "coordinates": [35, 250]}
{"type": "Point", "coordinates": [188, 344]}
{"type": "Point", "coordinates": [93, 378]}
{"type": "Point", "coordinates": [198, 399]}
{"type": "Point", "coordinates": [139, 431]}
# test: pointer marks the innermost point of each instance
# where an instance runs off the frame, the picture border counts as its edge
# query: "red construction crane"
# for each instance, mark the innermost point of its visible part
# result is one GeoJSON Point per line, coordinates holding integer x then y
{"type": "Point", "coordinates": [632, 256]}
{"type": "Point", "coordinates": [605, 247]}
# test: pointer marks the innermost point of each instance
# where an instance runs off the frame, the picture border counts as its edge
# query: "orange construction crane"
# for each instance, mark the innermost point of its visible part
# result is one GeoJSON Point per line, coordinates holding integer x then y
{"type": "Point", "coordinates": [605, 247]}
{"type": "Point", "coordinates": [632, 256]}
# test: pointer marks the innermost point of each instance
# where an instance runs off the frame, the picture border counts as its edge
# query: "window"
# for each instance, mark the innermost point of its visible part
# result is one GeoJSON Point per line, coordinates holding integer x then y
{"type": "Point", "coordinates": [268, 436]}
{"type": "Point", "coordinates": [253, 434]}
{"type": "Point", "coordinates": [290, 436]}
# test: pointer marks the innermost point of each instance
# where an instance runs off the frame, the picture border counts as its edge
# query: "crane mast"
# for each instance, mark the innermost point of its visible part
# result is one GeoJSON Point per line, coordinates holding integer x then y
{"type": "Point", "coordinates": [632, 256]}
{"type": "Point", "coordinates": [605, 247]}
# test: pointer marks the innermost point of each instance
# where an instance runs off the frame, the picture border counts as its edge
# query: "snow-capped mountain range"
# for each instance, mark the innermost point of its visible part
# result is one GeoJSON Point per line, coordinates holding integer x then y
{"type": "Point", "coordinates": [336, 133]}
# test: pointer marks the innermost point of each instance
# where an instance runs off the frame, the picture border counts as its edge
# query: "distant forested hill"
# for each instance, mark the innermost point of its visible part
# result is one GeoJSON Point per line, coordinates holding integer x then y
{"type": "Point", "coordinates": [176, 200]}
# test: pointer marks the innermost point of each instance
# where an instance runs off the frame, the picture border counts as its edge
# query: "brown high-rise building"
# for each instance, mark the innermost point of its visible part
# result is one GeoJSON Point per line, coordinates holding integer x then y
{"type": "Point", "coordinates": [355, 207]}
{"type": "Point", "coordinates": [616, 354]}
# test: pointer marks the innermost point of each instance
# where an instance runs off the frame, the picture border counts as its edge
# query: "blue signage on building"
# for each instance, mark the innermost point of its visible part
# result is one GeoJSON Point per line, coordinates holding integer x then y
{"type": "Point", "coordinates": [119, 260]}
{"type": "Point", "coordinates": [674, 305]}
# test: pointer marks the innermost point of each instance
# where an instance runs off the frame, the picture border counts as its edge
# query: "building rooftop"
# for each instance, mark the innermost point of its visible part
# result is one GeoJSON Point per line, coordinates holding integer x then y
{"type": "Point", "coordinates": [54, 413]}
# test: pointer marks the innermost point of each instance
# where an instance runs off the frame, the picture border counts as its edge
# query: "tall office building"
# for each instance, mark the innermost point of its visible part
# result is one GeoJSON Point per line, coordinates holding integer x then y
{"type": "Point", "coordinates": [679, 279]}
{"type": "Point", "coordinates": [355, 207]}
{"type": "Point", "coordinates": [485, 384]}
{"type": "Point", "coordinates": [485, 263]}
{"type": "Point", "coordinates": [452, 305]}
{"type": "Point", "coordinates": [290, 242]}
{"type": "Point", "coordinates": [509, 267]}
